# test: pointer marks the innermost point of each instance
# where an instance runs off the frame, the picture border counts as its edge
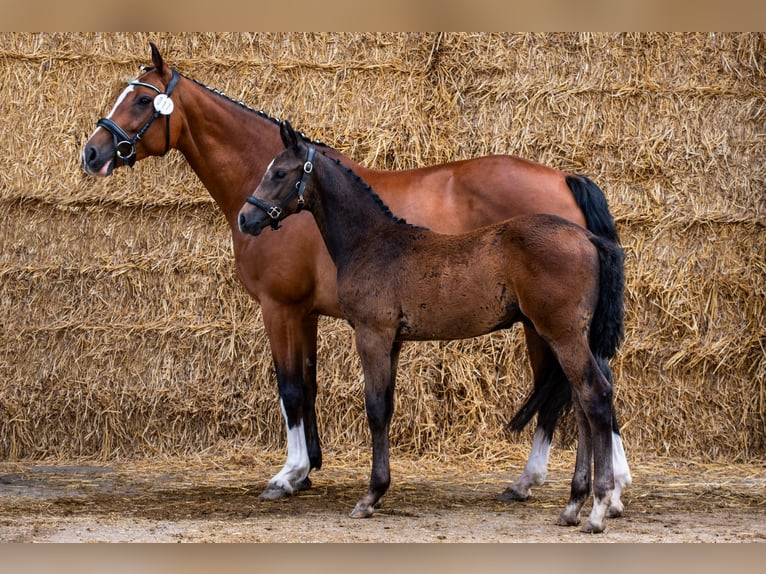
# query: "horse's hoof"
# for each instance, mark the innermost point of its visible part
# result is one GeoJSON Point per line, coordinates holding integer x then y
{"type": "Point", "coordinates": [510, 494]}
{"type": "Point", "coordinates": [362, 510]}
{"type": "Point", "coordinates": [275, 492]}
{"type": "Point", "coordinates": [592, 528]}
{"type": "Point", "coordinates": [304, 484]}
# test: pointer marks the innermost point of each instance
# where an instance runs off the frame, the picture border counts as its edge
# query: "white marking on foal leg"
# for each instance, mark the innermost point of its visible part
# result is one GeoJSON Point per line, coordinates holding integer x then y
{"type": "Point", "coordinates": [622, 477]}
{"type": "Point", "coordinates": [535, 471]}
{"type": "Point", "coordinates": [296, 467]}
{"type": "Point", "coordinates": [597, 519]}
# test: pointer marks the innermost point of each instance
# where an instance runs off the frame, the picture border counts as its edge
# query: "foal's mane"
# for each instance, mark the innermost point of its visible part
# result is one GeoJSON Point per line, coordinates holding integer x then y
{"type": "Point", "coordinates": [367, 188]}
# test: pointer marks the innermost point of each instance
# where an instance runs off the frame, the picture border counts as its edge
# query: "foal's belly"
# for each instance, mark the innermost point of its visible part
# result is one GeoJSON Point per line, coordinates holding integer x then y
{"type": "Point", "coordinates": [455, 320]}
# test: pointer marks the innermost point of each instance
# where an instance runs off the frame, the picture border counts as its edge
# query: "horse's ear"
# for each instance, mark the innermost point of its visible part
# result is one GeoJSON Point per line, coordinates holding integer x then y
{"type": "Point", "coordinates": [156, 58]}
{"type": "Point", "coordinates": [289, 137]}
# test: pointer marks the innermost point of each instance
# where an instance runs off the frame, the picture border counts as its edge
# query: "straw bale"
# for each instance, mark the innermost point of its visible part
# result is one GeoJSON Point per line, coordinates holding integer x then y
{"type": "Point", "coordinates": [124, 331]}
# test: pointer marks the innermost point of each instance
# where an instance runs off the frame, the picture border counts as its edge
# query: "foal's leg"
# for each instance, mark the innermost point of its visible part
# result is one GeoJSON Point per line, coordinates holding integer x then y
{"type": "Point", "coordinates": [580, 488]}
{"type": "Point", "coordinates": [622, 477]}
{"type": "Point", "coordinates": [379, 356]}
{"type": "Point", "coordinates": [592, 397]}
{"type": "Point", "coordinates": [286, 329]}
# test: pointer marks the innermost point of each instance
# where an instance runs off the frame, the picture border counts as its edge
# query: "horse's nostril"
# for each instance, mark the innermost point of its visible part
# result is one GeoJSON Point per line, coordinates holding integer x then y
{"type": "Point", "coordinates": [242, 222]}
{"type": "Point", "coordinates": [90, 154]}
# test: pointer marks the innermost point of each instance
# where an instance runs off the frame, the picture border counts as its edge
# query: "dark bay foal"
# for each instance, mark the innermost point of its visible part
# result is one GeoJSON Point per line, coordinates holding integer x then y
{"type": "Point", "coordinates": [398, 282]}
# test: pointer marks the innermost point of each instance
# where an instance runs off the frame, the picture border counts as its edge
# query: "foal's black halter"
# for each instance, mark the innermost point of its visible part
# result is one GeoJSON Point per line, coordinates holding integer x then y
{"type": "Point", "coordinates": [124, 145]}
{"type": "Point", "coordinates": [275, 211]}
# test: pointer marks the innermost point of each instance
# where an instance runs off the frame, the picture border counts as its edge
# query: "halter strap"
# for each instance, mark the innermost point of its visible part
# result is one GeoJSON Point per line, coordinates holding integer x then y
{"type": "Point", "coordinates": [275, 211]}
{"type": "Point", "coordinates": [124, 145]}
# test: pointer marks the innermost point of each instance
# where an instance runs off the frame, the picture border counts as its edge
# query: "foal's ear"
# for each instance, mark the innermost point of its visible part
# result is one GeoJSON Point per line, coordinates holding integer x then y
{"type": "Point", "coordinates": [289, 137]}
{"type": "Point", "coordinates": [156, 58]}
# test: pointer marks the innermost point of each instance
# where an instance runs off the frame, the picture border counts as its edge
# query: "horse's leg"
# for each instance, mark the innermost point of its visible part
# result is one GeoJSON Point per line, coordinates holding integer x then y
{"type": "Point", "coordinates": [379, 355]}
{"type": "Point", "coordinates": [541, 359]}
{"type": "Point", "coordinates": [284, 327]}
{"type": "Point", "coordinates": [310, 326]}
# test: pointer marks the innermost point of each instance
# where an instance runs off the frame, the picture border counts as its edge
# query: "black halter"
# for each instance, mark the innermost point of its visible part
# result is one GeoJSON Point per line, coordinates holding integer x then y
{"type": "Point", "coordinates": [124, 145]}
{"type": "Point", "coordinates": [275, 211]}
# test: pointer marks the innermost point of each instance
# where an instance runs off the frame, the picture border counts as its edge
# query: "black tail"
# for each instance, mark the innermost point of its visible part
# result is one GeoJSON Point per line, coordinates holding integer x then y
{"type": "Point", "coordinates": [606, 327]}
{"type": "Point", "coordinates": [551, 397]}
{"type": "Point", "coordinates": [592, 202]}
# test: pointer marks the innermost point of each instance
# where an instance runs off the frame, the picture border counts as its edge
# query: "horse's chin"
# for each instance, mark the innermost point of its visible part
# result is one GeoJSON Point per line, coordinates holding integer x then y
{"type": "Point", "coordinates": [104, 171]}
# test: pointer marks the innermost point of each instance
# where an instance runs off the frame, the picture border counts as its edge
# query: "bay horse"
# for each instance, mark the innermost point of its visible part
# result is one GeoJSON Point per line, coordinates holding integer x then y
{"type": "Point", "coordinates": [398, 282]}
{"type": "Point", "coordinates": [229, 145]}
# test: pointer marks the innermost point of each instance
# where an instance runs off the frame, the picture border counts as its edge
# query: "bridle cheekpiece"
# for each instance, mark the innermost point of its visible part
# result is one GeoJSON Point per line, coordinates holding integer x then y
{"type": "Point", "coordinates": [124, 145]}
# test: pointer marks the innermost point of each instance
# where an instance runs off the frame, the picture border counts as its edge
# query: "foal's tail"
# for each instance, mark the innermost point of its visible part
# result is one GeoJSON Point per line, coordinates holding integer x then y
{"type": "Point", "coordinates": [552, 394]}
{"type": "Point", "coordinates": [607, 325]}
{"type": "Point", "coordinates": [592, 202]}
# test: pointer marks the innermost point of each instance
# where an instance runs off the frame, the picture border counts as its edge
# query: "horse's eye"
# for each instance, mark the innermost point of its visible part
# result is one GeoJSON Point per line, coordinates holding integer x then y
{"type": "Point", "coordinates": [280, 174]}
{"type": "Point", "coordinates": [144, 101]}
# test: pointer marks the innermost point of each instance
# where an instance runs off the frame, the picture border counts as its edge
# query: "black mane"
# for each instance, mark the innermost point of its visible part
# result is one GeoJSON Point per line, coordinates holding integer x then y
{"type": "Point", "coordinates": [368, 189]}
{"type": "Point", "coordinates": [261, 113]}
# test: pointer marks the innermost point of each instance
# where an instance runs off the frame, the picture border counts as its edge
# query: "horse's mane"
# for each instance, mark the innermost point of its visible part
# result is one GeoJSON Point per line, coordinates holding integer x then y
{"type": "Point", "coordinates": [261, 113]}
{"type": "Point", "coordinates": [241, 104]}
{"type": "Point", "coordinates": [367, 188]}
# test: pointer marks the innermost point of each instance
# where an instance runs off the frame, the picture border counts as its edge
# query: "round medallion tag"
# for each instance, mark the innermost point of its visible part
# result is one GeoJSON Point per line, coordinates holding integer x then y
{"type": "Point", "coordinates": [163, 104]}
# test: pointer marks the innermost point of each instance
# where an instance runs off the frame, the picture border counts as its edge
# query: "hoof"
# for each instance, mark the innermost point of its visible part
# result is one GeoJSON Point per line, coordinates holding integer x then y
{"type": "Point", "coordinates": [591, 528]}
{"type": "Point", "coordinates": [510, 494]}
{"type": "Point", "coordinates": [362, 510]}
{"type": "Point", "coordinates": [275, 492]}
{"type": "Point", "coordinates": [566, 520]}
{"type": "Point", "coordinates": [615, 510]}
{"type": "Point", "coordinates": [304, 484]}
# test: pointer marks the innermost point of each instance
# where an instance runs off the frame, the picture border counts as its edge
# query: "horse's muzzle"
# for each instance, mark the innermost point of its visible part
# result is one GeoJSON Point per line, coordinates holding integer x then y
{"type": "Point", "coordinates": [95, 163]}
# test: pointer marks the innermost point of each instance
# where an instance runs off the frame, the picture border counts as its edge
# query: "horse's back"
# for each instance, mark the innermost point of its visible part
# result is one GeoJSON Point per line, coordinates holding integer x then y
{"type": "Point", "coordinates": [458, 196]}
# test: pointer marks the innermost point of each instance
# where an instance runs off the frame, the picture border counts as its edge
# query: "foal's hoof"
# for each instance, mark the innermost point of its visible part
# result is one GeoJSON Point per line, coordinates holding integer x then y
{"type": "Point", "coordinates": [615, 510]}
{"type": "Point", "coordinates": [362, 510]}
{"type": "Point", "coordinates": [567, 520]}
{"type": "Point", "coordinates": [512, 494]}
{"type": "Point", "coordinates": [591, 528]}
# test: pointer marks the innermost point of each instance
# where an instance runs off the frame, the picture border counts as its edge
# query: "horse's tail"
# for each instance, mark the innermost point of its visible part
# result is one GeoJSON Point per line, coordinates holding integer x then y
{"type": "Point", "coordinates": [592, 202]}
{"type": "Point", "coordinates": [550, 397]}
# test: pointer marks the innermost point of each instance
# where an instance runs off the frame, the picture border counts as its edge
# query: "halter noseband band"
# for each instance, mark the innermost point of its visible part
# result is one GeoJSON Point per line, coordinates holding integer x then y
{"type": "Point", "coordinates": [275, 211]}
{"type": "Point", "coordinates": [124, 145]}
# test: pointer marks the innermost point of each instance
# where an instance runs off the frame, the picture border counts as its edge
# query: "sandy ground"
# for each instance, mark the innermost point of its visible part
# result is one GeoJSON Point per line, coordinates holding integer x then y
{"type": "Point", "coordinates": [216, 500]}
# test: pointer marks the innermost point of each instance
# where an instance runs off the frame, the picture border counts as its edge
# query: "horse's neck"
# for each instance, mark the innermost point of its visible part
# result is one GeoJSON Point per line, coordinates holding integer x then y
{"type": "Point", "coordinates": [347, 212]}
{"type": "Point", "coordinates": [227, 145]}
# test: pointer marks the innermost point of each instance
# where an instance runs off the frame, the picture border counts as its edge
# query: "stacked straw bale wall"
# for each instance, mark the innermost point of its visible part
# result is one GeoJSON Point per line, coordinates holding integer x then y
{"type": "Point", "coordinates": [125, 333]}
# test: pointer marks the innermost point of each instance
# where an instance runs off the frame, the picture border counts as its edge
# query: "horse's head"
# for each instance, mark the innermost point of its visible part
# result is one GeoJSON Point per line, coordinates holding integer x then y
{"type": "Point", "coordinates": [130, 132]}
{"type": "Point", "coordinates": [280, 192]}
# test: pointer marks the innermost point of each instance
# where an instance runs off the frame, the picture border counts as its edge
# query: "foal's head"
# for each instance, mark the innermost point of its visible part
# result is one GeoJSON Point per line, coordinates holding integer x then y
{"type": "Point", "coordinates": [130, 132]}
{"type": "Point", "coordinates": [280, 192]}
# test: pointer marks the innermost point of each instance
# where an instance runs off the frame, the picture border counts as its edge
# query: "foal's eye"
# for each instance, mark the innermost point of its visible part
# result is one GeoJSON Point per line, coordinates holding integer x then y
{"type": "Point", "coordinates": [280, 174]}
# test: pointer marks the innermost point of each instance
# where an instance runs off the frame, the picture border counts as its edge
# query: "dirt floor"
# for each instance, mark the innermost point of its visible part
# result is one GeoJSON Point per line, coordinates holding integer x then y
{"type": "Point", "coordinates": [216, 500]}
